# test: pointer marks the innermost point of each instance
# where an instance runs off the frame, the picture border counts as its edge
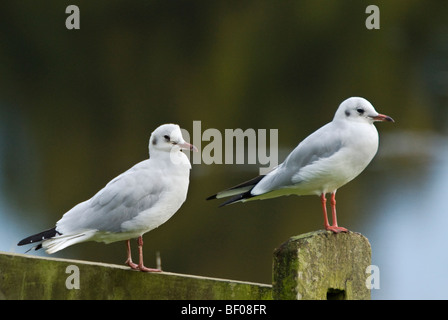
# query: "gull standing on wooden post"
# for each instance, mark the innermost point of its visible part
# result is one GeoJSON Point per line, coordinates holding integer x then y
{"type": "Point", "coordinates": [325, 161]}
{"type": "Point", "coordinates": [137, 201]}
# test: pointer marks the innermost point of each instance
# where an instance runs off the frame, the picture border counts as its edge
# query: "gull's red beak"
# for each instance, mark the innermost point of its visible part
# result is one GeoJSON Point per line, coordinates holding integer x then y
{"type": "Point", "coordinates": [383, 117]}
{"type": "Point", "coordinates": [187, 146]}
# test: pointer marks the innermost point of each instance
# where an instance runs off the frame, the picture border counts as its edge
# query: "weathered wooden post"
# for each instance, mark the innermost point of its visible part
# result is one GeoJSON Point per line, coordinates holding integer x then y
{"type": "Point", "coordinates": [322, 265]}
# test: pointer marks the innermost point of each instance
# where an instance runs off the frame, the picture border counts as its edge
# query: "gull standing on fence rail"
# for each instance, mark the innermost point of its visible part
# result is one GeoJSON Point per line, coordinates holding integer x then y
{"type": "Point", "coordinates": [137, 201]}
{"type": "Point", "coordinates": [323, 162]}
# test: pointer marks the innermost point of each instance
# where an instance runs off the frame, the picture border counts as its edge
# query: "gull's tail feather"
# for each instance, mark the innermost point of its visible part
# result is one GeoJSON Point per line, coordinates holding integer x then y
{"type": "Point", "coordinates": [238, 193]}
{"type": "Point", "coordinates": [60, 242]}
{"type": "Point", "coordinates": [53, 241]}
{"type": "Point", "coordinates": [238, 198]}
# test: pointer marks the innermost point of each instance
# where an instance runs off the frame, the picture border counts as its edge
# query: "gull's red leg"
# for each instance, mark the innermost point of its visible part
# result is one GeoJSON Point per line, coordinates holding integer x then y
{"type": "Point", "coordinates": [129, 259]}
{"type": "Point", "coordinates": [335, 227]}
{"type": "Point", "coordinates": [141, 267]}
{"type": "Point", "coordinates": [324, 209]}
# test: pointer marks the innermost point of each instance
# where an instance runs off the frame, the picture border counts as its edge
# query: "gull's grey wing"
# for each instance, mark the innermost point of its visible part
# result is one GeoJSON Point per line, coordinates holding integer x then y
{"type": "Point", "coordinates": [119, 201]}
{"type": "Point", "coordinates": [322, 144]}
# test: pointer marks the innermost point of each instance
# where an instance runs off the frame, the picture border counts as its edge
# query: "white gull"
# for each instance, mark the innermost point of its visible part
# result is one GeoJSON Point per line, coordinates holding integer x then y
{"type": "Point", "coordinates": [137, 201]}
{"type": "Point", "coordinates": [325, 161]}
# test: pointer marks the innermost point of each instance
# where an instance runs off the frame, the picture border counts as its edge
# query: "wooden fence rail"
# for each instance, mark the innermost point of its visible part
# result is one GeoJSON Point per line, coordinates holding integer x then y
{"type": "Point", "coordinates": [316, 265]}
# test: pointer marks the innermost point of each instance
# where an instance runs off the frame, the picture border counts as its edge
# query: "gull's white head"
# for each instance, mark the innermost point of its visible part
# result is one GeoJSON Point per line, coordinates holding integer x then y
{"type": "Point", "coordinates": [359, 109]}
{"type": "Point", "coordinates": [168, 137]}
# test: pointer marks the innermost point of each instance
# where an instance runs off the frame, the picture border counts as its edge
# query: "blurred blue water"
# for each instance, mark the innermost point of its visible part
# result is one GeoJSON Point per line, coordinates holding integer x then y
{"type": "Point", "coordinates": [408, 231]}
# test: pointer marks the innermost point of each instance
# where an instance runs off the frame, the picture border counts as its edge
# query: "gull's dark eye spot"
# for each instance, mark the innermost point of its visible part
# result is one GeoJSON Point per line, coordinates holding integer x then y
{"type": "Point", "coordinates": [167, 137]}
{"type": "Point", "coordinates": [347, 113]}
{"type": "Point", "coordinates": [360, 110]}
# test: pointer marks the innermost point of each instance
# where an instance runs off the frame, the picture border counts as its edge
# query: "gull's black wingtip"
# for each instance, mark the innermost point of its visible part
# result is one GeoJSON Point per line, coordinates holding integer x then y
{"type": "Point", "coordinates": [224, 204]}
{"type": "Point", "coordinates": [237, 198]}
{"type": "Point", "coordinates": [50, 233]}
{"type": "Point", "coordinates": [212, 197]}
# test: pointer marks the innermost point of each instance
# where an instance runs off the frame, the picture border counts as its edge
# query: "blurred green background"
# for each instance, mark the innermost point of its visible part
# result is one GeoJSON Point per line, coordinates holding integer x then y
{"type": "Point", "coordinates": [77, 108]}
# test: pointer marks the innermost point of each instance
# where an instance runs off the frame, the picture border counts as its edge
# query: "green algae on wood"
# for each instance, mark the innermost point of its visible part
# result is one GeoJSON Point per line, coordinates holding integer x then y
{"type": "Point", "coordinates": [30, 277]}
{"type": "Point", "coordinates": [322, 265]}
{"type": "Point", "coordinates": [315, 265]}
